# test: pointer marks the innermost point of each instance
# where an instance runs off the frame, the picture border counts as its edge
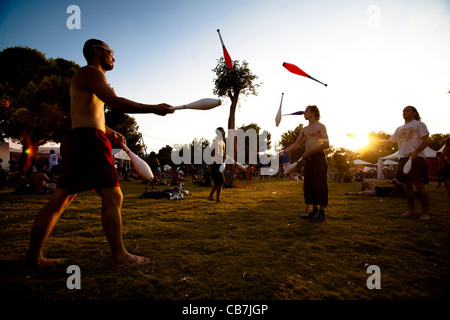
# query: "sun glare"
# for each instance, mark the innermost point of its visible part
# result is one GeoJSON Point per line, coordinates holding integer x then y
{"type": "Point", "coordinates": [356, 141]}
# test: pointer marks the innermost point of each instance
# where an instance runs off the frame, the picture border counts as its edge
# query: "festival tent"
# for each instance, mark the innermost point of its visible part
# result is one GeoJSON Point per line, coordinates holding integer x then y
{"type": "Point", "coordinates": [429, 153]}
{"type": "Point", "coordinates": [361, 162]}
{"type": "Point", "coordinates": [46, 149]}
{"type": "Point", "coordinates": [16, 148]}
{"type": "Point", "coordinates": [389, 163]}
{"type": "Point", "coordinates": [120, 154]}
{"type": "Point", "coordinates": [364, 165]}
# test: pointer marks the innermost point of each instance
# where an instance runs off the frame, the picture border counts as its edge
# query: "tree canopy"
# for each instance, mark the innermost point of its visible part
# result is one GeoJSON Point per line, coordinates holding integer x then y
{"type": "Point", "coordinates": [234, 82]}
{"type": "Point", "coordinates": [35, 98]}
{"type": "Point", "coordinates": [35, 101]}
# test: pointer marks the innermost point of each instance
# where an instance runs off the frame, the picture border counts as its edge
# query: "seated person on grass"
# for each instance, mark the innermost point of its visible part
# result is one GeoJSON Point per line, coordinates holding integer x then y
{"type": "Point", "coordinates": [371, 189]}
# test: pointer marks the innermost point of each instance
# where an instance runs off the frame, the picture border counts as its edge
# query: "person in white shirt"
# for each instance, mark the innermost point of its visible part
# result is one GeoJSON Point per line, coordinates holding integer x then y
{"type": "Point", "coordinates": [412, 138]}
{"type": "Point", "coordinates": [52, 163]}
{"type": "Point", "coordinates": [52, 160]}
{"type": "Point", "coordinates": [219, 154]}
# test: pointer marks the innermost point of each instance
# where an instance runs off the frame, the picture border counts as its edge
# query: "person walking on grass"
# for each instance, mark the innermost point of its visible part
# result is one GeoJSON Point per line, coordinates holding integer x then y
{"type": "Point", "coordinates": [315, 185]}
{"type": "Point", "coordinates": [218, 147]}
{"type": "Point", "coordinates": [87, 160]}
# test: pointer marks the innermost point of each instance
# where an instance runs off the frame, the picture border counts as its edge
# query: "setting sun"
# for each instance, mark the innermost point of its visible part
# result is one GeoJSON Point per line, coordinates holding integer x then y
{"type": "Point", "coordinates": [356, 141]}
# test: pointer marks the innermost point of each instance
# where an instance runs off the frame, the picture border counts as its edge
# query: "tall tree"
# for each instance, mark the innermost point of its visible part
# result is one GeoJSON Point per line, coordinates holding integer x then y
{"type": "Point", "coordinates": [39, 100]}
{"type": "Point", "coordinates": [233, 83]}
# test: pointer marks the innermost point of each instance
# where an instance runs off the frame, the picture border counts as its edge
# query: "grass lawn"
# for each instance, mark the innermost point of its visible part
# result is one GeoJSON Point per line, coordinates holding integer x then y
{"type": "Point", "coordinates": [253, 246]}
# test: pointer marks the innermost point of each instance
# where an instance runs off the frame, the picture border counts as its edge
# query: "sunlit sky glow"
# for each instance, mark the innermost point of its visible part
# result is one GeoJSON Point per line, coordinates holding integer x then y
{"type": "Point", "coordinates": [376, 57]}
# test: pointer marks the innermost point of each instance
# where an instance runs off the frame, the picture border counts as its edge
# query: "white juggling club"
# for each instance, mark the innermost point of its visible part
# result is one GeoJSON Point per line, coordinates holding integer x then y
{"type": "Point", "coordinates": [278, 116]}
{"type": "Point", "coordinates": [240, 165]}
{"type": "Point", "coordinates": [202, 104]}
{"type": "Point", "coordinates": [140, 165]}
{"type": "Point", "coordinates": [292, 166]}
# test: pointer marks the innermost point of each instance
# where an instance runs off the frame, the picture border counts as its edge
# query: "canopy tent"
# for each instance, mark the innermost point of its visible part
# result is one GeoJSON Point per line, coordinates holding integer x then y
{"type": "Point", "coordinates": [361, 162]}
{"type": "Point", "coordinates": [120, 154]}
{"type": "Point", "coordinates": [389, 163]}
{"type": "Point", "coordinates": [429, 153]}
{"type": "Point", "coordinates": [45, 149]}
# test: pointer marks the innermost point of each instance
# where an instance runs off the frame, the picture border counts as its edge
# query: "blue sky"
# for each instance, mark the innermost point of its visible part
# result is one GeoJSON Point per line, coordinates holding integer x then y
{"type": "Point", "coordinates": [376, 57]}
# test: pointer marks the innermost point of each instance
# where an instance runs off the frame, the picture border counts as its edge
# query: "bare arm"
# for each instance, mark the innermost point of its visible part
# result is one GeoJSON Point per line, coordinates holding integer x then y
{"type": "Point", "coordinates": [47, 179]}
{"type": "Point", "coordinates": [115, 136]}
{"type": "Point", "coordinates": [295, 145]}
{"type": "Point", "coordinates": [425, 142]}
{"type": "Point", "coordinates": [97, 82]}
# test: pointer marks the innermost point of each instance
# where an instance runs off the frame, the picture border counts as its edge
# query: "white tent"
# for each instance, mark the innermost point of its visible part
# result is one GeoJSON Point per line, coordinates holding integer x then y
{"type": "Point", "coordinates": [120, 154]}
{"type": "Point", "coordinates": [361, 162]}
{"type": "Point", "coordinates": [429, 153]}
{"type": "Point", "coordinates": [389, 162]}
{"type": "Point", "coordinates": [46, 149]}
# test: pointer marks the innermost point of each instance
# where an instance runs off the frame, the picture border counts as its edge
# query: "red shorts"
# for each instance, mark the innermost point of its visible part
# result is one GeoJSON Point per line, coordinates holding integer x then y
{"type": "Point", "coordinates": [87, 161]}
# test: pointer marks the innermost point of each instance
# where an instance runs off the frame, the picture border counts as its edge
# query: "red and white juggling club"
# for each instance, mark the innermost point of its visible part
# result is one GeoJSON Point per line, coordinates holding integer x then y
{"type": "Point", "coordinates": [226, 56]}
{"type": "Point", "coordinates": [140, 165]}
{"type": "Point", "coordinates": [296, 70]}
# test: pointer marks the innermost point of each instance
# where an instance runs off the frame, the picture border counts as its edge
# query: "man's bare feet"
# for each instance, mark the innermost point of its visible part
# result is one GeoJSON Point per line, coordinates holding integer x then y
{"type": "Point", "coordinates": [210, 198]}
{"type": "Point", "coordinates": [130, 260]}
{"type": "Point", "coordinates": [425, 217]}
{"type": "Point", "coordinates": [408, 213]}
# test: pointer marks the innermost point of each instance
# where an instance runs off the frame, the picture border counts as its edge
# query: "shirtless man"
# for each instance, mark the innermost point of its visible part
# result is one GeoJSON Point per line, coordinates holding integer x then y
{"type": "Point", "coordinates": [87, 159]}
{"type": "Point", "coordinates": [316, 141]}
{"type": "Point", "coordinates": [38, 180]}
